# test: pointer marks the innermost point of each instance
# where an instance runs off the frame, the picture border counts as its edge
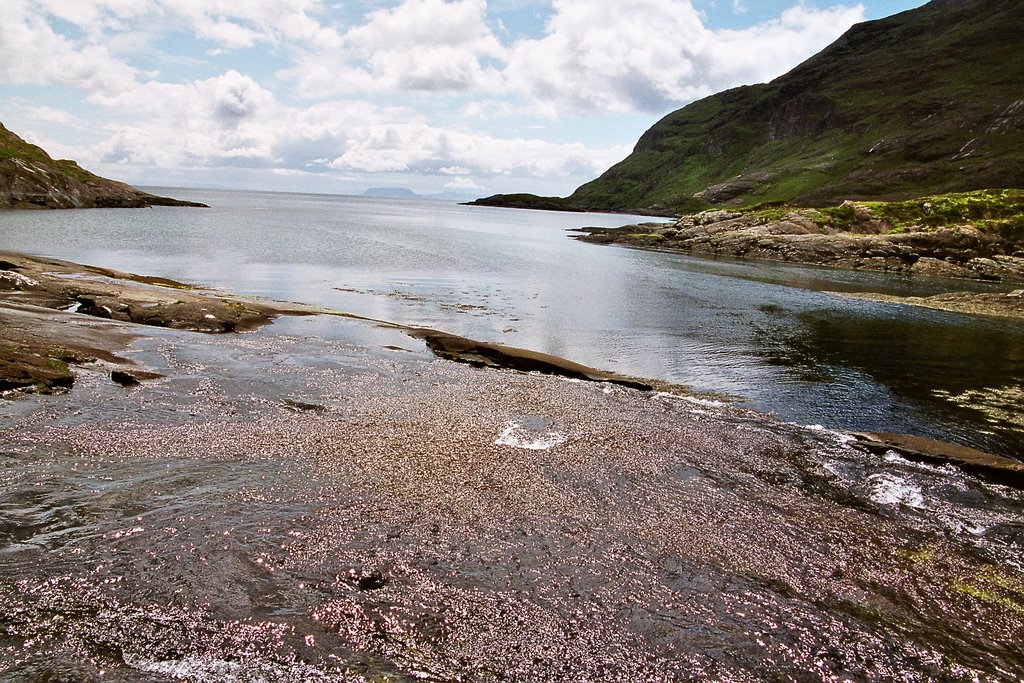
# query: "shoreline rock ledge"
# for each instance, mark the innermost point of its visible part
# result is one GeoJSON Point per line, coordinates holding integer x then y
{"type": "Point", "coordinates": [31, 179]}
{"type": "Point", "coordinates": [808, 236]}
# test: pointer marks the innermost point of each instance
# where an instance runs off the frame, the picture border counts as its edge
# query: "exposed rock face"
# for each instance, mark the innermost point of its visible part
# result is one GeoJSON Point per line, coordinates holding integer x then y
{"type": "Point", "coordinates": [31, 179]}
{"type": "Point", "coordinates": [723, 192]}
{"type": "Point", "coordinates": [483, 354]}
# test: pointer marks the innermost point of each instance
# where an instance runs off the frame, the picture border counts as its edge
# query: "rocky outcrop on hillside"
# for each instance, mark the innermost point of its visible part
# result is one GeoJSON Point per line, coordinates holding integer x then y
{"type": "Point", "coordinates": [31, 179]}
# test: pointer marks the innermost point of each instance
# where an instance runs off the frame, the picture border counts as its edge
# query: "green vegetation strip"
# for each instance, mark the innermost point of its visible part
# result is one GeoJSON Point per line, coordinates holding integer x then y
{"type": "Point", "coordinates": [996, 212]}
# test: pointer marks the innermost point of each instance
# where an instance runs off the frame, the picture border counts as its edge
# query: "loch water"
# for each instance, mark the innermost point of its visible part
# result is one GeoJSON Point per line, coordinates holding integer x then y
{"type": "Point", "coordinates": [775, 336]}
{"type": "Point", "coordinates": [324, 500]}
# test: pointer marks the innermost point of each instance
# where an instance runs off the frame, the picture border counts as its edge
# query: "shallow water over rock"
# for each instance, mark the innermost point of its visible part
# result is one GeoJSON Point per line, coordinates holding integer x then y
{"type": "Point", "coordinates": [323, 500]}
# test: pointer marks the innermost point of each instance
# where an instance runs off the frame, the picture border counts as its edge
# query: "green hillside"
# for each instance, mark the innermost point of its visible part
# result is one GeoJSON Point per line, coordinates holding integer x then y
{"type": "Point", "coordinates": [925, 102]}
{"type": "Point", "coordinates": [31, 179]}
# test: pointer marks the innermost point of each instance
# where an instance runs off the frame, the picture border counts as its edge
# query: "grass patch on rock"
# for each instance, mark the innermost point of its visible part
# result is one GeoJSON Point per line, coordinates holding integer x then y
{"type": "Point", "coordinates": [997, 212]}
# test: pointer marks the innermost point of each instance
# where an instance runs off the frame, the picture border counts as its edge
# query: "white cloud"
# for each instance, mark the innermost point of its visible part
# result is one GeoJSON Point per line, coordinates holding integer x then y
{"type": "Point", "coordinates": [421, 87]}
{"type": "Point", "coordinates": [463, 185]}
{"type": "Point", "coordinates": [426, 149]}
{"type": "Point", "coordinates": [235, 24]}
{"type": "Point", "coordinates": [220, 119]}
{"type": "Point", "coordinates": [419, 45]}
{"type": "Point", "coordinates": [225, 101]}
{"type": "Point", "coordinates": [95, 17]}
{"type": "Point", "coordinates": [763, 52]}
{"type": "Point", "coordinates": [51, 115]}
{"type": "Point", "coordinates": [651, 55]}
{"type": "Point", "coordinates": [231, 120]}
{"type": "Point", "coordinates": [228, 23]}
{"type": "Point", "coordinates": [31, 52]}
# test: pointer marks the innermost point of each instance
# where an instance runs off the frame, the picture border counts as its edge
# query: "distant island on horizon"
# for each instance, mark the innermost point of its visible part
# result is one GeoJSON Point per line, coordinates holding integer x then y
{"type": "Point", "coordinates": [31, 179]}
{"type": "Point", "coordinates": [406, 193]}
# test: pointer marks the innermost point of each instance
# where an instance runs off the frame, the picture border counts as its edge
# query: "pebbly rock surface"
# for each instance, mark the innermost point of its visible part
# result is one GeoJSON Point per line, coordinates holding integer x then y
{"type": "Point", "coordinates": [403, 518]}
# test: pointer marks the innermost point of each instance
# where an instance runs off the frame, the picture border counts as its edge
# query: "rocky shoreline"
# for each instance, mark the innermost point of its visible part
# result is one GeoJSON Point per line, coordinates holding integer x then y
{"type": "Point", "coordinates": [54, 314]}
{"type": "Point", "coordinates": [804, 236]}
{"type": "Point", "coordinates": [954, 252]}
{"type": "Point", "coordinates": [998, 305]}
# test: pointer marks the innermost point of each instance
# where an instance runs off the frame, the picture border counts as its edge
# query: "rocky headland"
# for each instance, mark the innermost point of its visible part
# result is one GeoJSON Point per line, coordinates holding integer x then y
{"type": "Point", "coordinates": [972, 236]}
{"type": "Point", "coordinates": [31, 179]}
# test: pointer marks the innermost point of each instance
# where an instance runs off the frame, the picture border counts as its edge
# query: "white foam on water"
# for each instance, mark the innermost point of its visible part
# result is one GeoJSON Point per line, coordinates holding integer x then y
{"type": "Point", "coordinates": [888, 489]}
{"type": "Point", "coordinates": [694, 401]}
{"type": "Point", "coordinates": [517, 436]}
{"type": "Point", "coordinates": [214, 670]}
{"type": "Point", "coordinates": [707, 402]}
{"type": "Point", "coordinates": [947, 469]}
{"type": "Point", "coordinates": [194, 668]}
{"type": "Point", "coordinates": [841, 438]}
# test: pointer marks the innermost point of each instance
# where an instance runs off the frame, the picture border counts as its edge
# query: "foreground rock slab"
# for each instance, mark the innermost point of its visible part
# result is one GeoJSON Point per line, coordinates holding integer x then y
{"type": "Point", "coordinates": [920, 449]}
{"type": "Point", "coordinates": [51, 310]}
{"type": "Point", "coordinates": [285, 506]}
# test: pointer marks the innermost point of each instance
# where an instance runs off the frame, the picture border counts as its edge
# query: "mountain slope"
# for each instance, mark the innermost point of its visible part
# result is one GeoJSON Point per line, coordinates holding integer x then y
{"type": "Point", "coordinates": [924, 102]}
{"type": "Point", "coordinates": [31, 179]}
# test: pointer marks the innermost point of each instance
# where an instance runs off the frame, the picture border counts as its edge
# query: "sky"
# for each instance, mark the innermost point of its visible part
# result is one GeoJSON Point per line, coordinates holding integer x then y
{"type": "Point", "coordinates": [470, 97]}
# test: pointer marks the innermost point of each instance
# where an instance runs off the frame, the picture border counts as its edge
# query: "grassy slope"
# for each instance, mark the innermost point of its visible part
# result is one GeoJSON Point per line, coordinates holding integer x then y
{"type": "Point", "coordinates": [925, 102]}
{"type": "Point", "coordinates": [13, 147]}
{"type": "Point", "coordinates": [30, 178]}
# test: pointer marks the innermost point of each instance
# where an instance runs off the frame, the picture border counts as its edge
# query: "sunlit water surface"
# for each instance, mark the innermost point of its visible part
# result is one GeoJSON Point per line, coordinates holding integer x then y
{"type": "Point", "coordinates": [766, 333]}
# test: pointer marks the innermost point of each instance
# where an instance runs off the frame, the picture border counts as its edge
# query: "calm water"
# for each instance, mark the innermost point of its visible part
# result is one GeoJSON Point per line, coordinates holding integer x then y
{"type": "Point", "coordinates": [768, 334]}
